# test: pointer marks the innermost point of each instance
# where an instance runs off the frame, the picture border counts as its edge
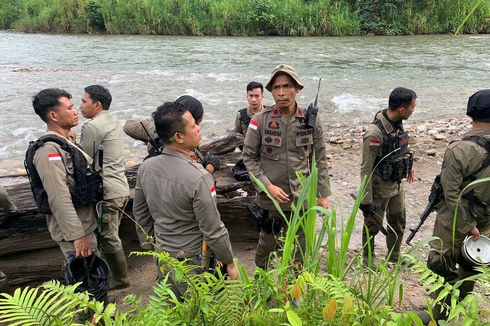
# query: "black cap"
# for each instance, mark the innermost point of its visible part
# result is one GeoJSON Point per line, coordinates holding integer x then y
{"type": "Point", "coordinates": [193, 105]}
{"type": "Point", "coordinates": [479, 105]}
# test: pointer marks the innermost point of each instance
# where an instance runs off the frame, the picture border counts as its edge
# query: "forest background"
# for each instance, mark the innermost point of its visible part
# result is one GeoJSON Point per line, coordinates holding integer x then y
{"type": "Point", "coordinates": [250, 18]}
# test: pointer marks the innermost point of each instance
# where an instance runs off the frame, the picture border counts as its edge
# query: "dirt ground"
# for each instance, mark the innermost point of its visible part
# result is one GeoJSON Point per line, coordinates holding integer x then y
{"type": "Point", "coordinates": [344, 163]}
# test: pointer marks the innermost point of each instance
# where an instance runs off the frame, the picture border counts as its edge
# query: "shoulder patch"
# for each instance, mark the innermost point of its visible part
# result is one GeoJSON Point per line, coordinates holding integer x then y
{"type": "Point", "coordinates": [254, 124]}
{"type": "Point", "coordinates": [212, 190]}
{"type": "Point", "coordinates": [54, 157]}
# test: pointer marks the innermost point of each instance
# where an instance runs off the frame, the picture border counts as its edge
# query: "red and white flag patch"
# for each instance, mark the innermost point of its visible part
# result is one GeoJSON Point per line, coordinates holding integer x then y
{"type": "Point", "coordinates": [374, 142]}
{"type": "Point", "coordinates": [54, 157]}
{"type": "Point", "coordinates": [253, 124]}
{"type": "Point", "coordinates": [212, 190]}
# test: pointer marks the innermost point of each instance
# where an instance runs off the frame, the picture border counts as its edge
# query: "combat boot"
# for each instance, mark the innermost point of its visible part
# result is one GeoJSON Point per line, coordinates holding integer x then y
{"type": "Point", "coordinates": [119, 270]}
{"type": "Point", "coordinates": [368, 255]}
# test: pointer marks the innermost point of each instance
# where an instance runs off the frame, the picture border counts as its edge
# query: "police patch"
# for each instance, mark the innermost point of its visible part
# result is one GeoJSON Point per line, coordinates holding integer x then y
{"type": "Point", "coordinates": [277, 141]}
{"type": "Point", "coordinates": [268, 150]}
{"type": "Point", "coordinates": [273, 125]}
{"type": "Point", "coordinates": [268, 139]}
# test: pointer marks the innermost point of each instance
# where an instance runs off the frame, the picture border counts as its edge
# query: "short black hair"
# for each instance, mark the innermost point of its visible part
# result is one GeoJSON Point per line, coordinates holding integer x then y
{"type": "Point", "coordinates": [168, 120]}
{"type": "Point", "coordinates": [400, 97]}
{"type": "Point", "coordinates": [101, 94]}
{"type": "Point", "coordinates": [253, 85]}
{"type": "Point", "coordinates": [47, 100]}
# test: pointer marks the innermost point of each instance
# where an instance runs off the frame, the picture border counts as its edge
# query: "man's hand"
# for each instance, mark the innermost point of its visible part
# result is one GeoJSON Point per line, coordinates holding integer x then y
{"type": "Point", "coordinates": [82, 247]}
{"type": "Point", "coordinates": [323, 202]}
{"type": "Point", "coordinates": [475, 233]}
{"type": "Point", "coordinates": [232, 271]}
{"type": "Point", "coordinates": [411, 176]}
{"type": "Point", "coordinates": [367, 209]}
{"type": "Point", "coordinates": [213, 160]}
{"type": "Point", "coordinates": [278, 194]}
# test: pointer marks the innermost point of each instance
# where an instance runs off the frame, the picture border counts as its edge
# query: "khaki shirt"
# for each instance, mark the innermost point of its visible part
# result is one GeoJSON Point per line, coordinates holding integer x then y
{"type": "Point", "coordinates": [104, 129]}
{"type": "Point", "coordinates": [275, 148]}
{"type": "Point", "coordinates": [134, 129]}
{"type": "Point", "coordinates": [372, 147]}
{"type": "Point", "coordinates": [176, 196]}
{"type": "Point", "coordinates": [56, 172]}
{"type": "Point", "coordinates": [461, 159]}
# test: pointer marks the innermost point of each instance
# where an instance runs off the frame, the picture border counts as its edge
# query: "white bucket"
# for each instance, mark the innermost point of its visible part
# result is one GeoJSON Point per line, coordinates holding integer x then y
{"type": "Point", "coordinates": [477, 252]}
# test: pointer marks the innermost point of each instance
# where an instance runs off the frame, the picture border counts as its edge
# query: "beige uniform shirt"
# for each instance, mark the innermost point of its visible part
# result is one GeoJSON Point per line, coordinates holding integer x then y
{"type": "Point", "coordinates": [461, 159]}
{"type": "Point", "coordinates": [56, 172]}
{"type": "Point", "coordinates": [105, 129]}
{"type": "Point", "coordinates": [371, 148]}
{"type": "Point", "coordinates": [176, 196]}
{"type": "Point", "coordinates": [134, 129]}
{"type": "Point", "coordinates": [275, 148]}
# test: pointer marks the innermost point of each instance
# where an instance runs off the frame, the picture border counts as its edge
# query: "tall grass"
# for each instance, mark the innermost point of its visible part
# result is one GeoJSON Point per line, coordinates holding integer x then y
{"type": "Point", "coordinates": [252, 17]}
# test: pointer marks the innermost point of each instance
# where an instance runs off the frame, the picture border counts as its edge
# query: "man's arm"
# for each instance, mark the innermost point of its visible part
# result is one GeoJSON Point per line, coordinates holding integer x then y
{"type": "Point", "coordinates": [371, 146]}
{"type": "Point", "coordinates": [238, 124]}
{"type": "Point", "coordinates": [90, 140]}
{"type": "Point", "coordinates": [141, 211]}
{"type": "Point", "coordinates": [321, 163]}
{"type": "Point", "coordinates": [49, 162]}
{"type": "Point", "coordinates": [135, 130]}
{"type": "Point", "coordinates": [451, 181]}
{"type": "Point", "coordinates": [251, 150]}
{"type": "Point", "coordinates": [214, 231]}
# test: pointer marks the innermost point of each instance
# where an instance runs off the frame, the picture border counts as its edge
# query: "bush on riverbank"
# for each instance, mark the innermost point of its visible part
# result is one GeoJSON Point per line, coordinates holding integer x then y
{"type": "Point", "coordinates": [253, 17]}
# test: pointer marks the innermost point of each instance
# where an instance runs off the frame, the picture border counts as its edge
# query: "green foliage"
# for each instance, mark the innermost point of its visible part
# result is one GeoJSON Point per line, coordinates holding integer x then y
{"type": "Point", "coordinates": [254, 17]}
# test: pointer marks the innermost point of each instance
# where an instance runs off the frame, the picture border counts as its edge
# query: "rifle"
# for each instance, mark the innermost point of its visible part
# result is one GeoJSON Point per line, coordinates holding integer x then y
{"type": "Point", "coordinates": [376, 218]}
{"type": "Point", "coordinates": [312, 111]}
{"type": "Point", "coordinates": [435, 197]}
{"type": "Point", "coordinates": [100, 209]}
{"type": "Point", "coordinates": [158, 150]}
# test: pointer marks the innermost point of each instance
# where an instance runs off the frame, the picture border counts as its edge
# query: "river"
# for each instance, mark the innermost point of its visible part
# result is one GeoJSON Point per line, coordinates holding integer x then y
{"type": "Point", "coordinates": [141, 72]}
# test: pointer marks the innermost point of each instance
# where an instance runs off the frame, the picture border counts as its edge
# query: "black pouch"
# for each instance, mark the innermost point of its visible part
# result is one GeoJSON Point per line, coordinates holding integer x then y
{"type": "Point", "coordinates": [271, 225]}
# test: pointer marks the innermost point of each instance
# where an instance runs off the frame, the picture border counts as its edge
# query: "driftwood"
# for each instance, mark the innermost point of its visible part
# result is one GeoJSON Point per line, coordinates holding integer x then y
{"type": "Point", "coordinates": [27, 252]}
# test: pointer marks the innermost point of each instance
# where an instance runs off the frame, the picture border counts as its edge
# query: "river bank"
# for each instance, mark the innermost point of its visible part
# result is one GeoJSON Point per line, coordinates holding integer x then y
{"type": "Point", "coordinates": [250, 18]}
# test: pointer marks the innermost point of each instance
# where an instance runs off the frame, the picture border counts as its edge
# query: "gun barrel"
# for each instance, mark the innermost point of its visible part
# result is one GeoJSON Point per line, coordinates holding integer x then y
{"type": "Point", "coordinates": [429, 209]}
{"type": "Point", "coordinates": [317, 92]}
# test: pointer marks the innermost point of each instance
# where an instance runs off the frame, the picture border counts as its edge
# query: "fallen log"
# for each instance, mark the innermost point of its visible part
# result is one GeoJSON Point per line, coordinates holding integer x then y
{"type": "Point", "coordinates": [28, 254]}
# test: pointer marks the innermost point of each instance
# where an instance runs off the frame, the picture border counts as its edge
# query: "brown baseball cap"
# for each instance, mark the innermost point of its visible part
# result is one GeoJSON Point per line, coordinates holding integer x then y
{"type": "Point", "coordinates": [286, 69]}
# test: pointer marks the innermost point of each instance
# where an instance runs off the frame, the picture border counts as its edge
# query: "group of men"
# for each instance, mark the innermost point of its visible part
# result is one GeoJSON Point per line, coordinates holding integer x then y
{"type": "Point", "coordinates": [175, 194]}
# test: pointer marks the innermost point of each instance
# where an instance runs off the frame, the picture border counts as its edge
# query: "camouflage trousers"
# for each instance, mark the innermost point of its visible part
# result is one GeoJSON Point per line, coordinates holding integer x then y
{"type": "Point", "coordinates": [394, 208]}
{"type": "Point", "coordinates": [110, 242]}
{"type": "Point", "coordinates": [270, 241]}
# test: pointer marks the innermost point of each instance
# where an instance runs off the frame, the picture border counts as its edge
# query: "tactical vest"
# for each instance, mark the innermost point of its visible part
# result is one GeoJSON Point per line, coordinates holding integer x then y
{"type": "Point", "coordinates": [398, 163]}
{"type": "Point", "coordinates": [244, 118]}
{"type": "Point", "coordinates": [87, 188]}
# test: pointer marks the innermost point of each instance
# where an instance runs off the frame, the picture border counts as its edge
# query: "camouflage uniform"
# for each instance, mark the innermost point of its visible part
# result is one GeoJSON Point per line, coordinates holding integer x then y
{"type": "Point", "coordinates": [462, 158]}
{"type": "Point", "coordinates": [104, 129]}
{"type": "Point", "coordinates": [275, 148]}
{"type": "Point", "coordinates": [387, 195]}
{"type": "Point", "coordinates": [66, 224]}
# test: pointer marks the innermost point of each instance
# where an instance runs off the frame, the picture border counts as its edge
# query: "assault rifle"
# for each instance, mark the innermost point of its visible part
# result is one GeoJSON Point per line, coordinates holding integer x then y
{"type": "Point", "coordinates": [435, 198]}
{"type": "Point", "coordinates": [312, 111]}
{"type": "Point", "coordinates": [100, 210]}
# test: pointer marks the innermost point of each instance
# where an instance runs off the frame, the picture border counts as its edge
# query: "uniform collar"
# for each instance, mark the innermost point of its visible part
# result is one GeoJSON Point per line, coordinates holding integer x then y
{"type": "Point", "coordinates": [299, 112]}
{"type": "Point", "coordinates": [87, 157]}
{"type": "Point", "coordinates": [388, 125]}
{"type": "Point", "coordinates": [171, 152]}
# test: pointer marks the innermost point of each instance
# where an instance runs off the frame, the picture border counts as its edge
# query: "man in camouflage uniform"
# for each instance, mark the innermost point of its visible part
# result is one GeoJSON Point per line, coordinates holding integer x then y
{"type": "Point", "coordinates": [464, 162]}
{"type": "Point", "coordinates": [277, 145]}
{"type": "Point", "coordinates": [71, 227]}
{"type": "Point", "coordinates": [175, 197]}
{"type": "Point", "coordinates": [255, 95]}
{"type": "Point", "coordinates": [102, 128]}
{"type": "Point", "coordinates": [385, 162]}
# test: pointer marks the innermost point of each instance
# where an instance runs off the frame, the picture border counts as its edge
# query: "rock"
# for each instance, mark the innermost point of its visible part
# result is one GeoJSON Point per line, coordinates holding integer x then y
{"type": "Point", "coordinates": [130, 164]}
{"type": "Point", "coordinates": [432, 132]}
{"type": "Point", "coordinates": [347, 146]}
{"type": "Point", "coordinates": [438, 137]}
{"type": "Point", "coordinates": [329, 156]}
{"type": "Point", "coordinates": [431, 152]}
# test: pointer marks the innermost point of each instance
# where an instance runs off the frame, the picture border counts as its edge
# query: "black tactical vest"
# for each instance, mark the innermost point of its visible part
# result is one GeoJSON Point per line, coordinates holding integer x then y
{"type": "Point", "coordinates": [244, 118]}
{"type": "Point", "coordinates": [398, 163]}
{"type": "Point", "coordinates": [87, 188]}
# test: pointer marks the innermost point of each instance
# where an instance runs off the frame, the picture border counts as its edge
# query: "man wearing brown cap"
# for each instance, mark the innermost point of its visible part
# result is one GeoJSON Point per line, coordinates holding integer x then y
{"type": "Point", "coordinates": [277, 145]}
{"type": "Point", "coordinates": [464, 161]}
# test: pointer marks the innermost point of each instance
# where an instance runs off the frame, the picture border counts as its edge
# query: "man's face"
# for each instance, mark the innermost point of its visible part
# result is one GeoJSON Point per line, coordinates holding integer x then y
{"type": "Point", "coordinates": [254, 98]}
{"type": "Point", "coordinates": [191, 136]}
{"type": "Point", "coordinates": [65, 115]}
{"type": "Point", "coordinates": [89, 107]}
{"type": "Point", "coordinates": [406, 112]}
{"type": "Point", "coordinates": [284, 92]}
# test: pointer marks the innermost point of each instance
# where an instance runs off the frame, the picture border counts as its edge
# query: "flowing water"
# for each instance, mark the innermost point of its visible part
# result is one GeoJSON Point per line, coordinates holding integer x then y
{"type": "Point", "coordinates": [141, 72]}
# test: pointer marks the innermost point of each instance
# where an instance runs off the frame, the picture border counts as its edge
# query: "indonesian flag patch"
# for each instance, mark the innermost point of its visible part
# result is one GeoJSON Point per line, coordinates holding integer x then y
{"type": "Point", "coordinates": [374, 142]}
{"type": "Point", "coordinates": [54, 157]}
{"type": "Point", "coordinates": [212, 190]}
{"type": "Point", "coordinates": [253, 124]}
